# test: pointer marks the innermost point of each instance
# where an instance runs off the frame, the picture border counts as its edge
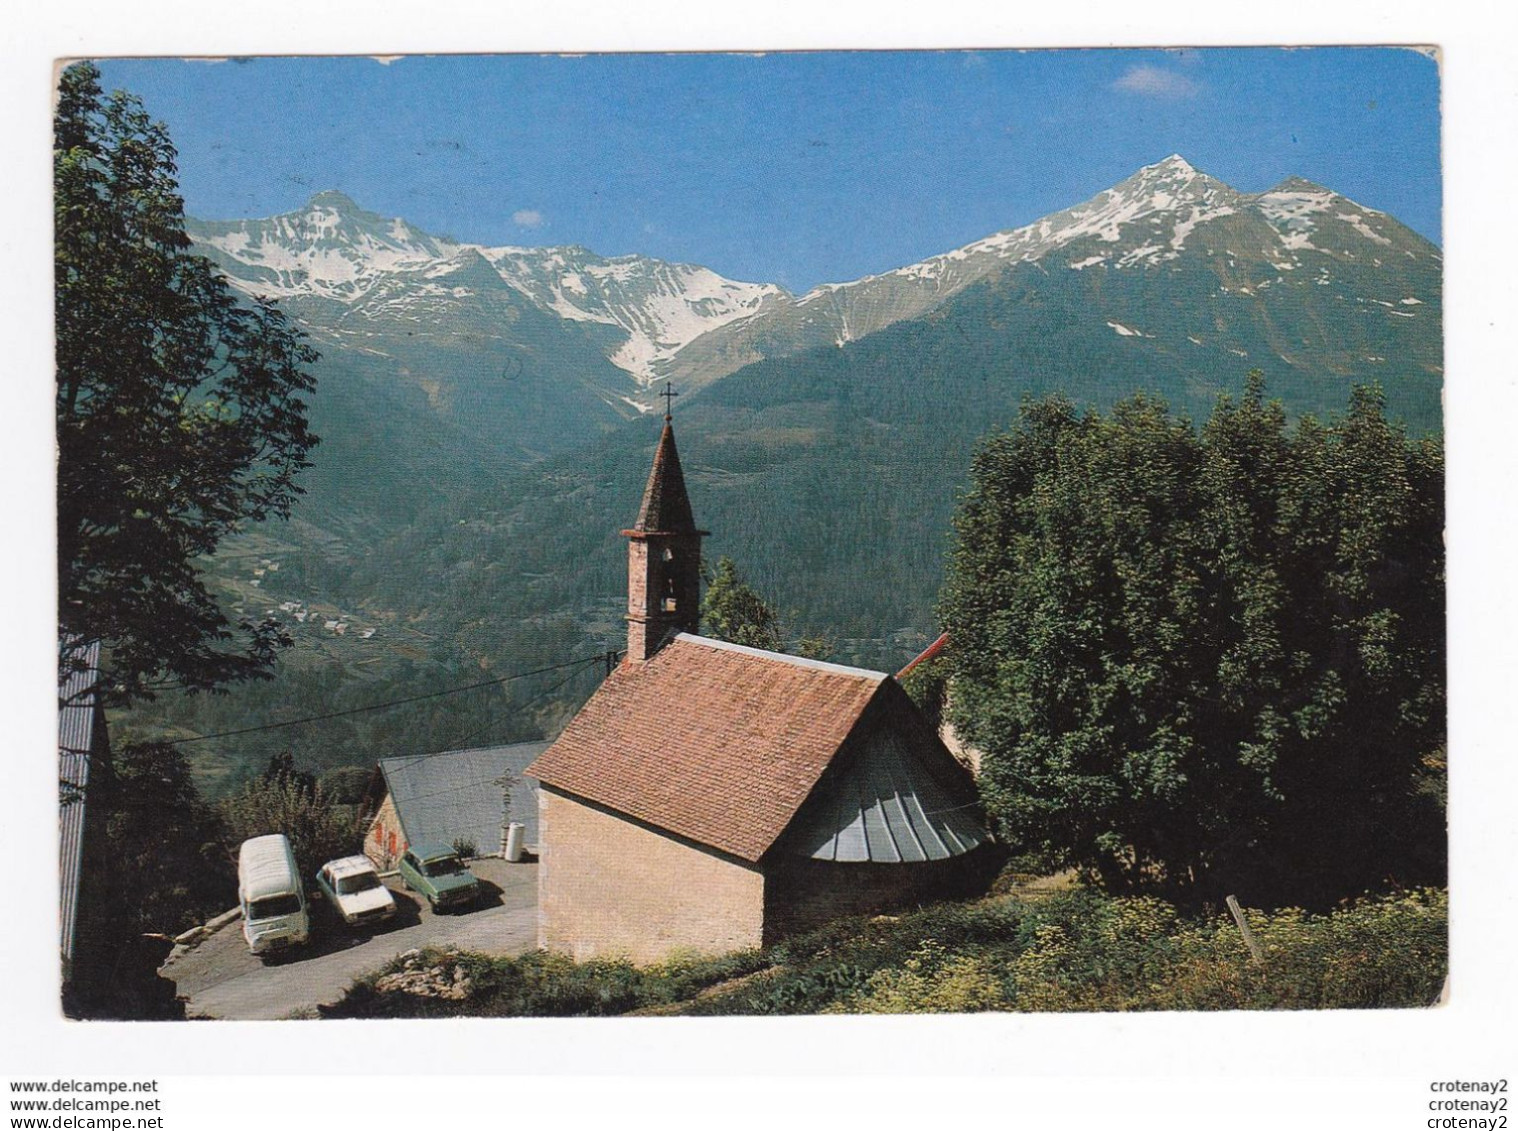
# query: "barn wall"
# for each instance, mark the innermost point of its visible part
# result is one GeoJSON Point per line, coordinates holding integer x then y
{"type": "Point", "coordinates": [385, 841]}
{"type": "Point", "coordinates": [802, 893]}
{"type": "Point", "coordinates": [609, 886]}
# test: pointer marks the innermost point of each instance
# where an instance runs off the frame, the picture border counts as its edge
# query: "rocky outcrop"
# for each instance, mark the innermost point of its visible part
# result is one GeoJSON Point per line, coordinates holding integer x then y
{"type": "Point", "coordinates": [428, 974]}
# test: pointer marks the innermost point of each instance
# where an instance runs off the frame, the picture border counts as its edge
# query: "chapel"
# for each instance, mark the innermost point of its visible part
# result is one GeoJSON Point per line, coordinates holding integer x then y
{"type": "Point", "coordinates": [712, 797]}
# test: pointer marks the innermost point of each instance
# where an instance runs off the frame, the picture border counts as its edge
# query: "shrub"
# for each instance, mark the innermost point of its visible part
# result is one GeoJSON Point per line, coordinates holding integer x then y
{"type": "Point", "coordinates": [932, 981]}
{"type": "Point", "coordinates": [547, 984]}
{"type": "Point", "coordinates": [1130, 954]}
{"type": "Point", "coordinates": [285, 800]}
{"type": "Point", "coordinates": [1071, 951]}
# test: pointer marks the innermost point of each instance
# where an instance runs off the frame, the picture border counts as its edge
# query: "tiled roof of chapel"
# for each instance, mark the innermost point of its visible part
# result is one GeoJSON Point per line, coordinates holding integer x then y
{"type": "Point", "coordinates": [714, 742]}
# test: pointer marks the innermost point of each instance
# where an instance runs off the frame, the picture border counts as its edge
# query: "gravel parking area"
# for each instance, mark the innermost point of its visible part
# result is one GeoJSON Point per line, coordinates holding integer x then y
{"type": "Point", "coordinates": [221, 979]}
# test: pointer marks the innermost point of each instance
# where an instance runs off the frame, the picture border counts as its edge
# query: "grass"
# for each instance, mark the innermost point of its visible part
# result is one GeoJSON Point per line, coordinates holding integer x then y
{"type": "Point", "coordinates": [1066, 951]}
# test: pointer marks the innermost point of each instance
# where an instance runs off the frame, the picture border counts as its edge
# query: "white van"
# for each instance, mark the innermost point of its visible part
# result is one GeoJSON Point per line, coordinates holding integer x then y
{"type": "Point", "coordinates": [269, 889]}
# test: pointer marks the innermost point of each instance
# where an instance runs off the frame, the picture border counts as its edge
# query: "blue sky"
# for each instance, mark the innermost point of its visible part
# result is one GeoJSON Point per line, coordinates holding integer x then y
{"type": "Point", "coordinates": [790, 168]}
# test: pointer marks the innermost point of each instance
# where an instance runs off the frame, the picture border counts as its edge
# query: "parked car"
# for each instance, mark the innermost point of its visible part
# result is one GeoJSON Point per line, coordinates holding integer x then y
{"type": "Point", "coordinates": [352, 886]}
{"type": "Point", "coordinates": [272, 898]}
{"type": "Point", "coordinates": [436, 871]}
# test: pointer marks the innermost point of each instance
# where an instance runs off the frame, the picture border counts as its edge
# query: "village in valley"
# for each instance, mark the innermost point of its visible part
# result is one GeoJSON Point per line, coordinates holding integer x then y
{"type": "Point", "coordinates": [1054, 624]}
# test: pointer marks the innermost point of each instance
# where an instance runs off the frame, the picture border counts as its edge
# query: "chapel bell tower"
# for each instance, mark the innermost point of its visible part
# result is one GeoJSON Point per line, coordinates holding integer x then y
{"type": "Point", "coordinates": [663, 556]}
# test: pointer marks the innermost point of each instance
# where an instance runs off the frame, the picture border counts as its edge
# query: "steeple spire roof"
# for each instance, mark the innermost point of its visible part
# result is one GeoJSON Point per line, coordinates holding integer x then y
{"type": "Point", "coordinates": [666, 506]}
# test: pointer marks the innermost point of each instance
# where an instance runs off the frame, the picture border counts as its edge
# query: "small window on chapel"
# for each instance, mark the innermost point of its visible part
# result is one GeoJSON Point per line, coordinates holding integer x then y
{"type": "Point", "coordinates": [669, 604]}
{"type": "Point", "coordinates": [669, 554]}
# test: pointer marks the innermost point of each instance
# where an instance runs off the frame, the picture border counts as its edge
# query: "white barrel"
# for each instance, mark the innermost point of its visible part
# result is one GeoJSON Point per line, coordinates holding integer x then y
{"type": "Point", "coordinates": [514, 834]}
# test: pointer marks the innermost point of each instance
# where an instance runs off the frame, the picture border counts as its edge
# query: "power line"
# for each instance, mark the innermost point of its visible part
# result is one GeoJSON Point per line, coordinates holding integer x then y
{"type": "Point", "coordinates": [470, 737]}
{"type": "Point", "coordinates": [411, 761]}
{"type": "Point", "coordinates": [519, 708]}
{"type": "Point", "coordinates": [383, 706]}
{"type": "Point", "coordinates": [609, 658]}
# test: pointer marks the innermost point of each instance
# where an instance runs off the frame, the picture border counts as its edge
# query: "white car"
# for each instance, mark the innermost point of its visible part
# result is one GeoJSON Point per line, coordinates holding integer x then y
{"type": "Point", "coordinates": [352, 886]}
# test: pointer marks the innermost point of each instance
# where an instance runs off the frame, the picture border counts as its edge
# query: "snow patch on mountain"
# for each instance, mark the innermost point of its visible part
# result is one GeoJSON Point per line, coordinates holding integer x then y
{"type": "Point", "coordinates": [320, 250]}
{"type": "Point", "coordinates": [1290, 209]}
{"type": "Point", "coordinates": [1356, 221]}
{"type": "Point", "coordinates": [1199, 213]}
{"type": "Point", "coordinates": [1139, 254]}
{"type": "Point", "coordinates": [661, 306]}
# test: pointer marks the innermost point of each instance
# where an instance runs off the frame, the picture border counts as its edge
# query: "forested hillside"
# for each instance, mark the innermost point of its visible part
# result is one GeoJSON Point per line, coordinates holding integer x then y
{"type": "Point", "coordinates": [463, 511]}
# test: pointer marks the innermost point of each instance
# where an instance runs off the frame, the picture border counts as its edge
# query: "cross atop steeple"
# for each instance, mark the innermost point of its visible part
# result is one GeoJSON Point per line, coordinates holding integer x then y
{"type": "Point", "coordinates": [663, 556]}
{"type": "Point", "coordinates": [669, 395]}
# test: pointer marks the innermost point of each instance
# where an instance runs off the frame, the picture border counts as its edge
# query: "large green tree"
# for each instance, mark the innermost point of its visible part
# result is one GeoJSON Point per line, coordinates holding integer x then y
{"type": "Point", "coordinates": [181, 410]}
{"type": "Point", "coordinates": [1211, 659]}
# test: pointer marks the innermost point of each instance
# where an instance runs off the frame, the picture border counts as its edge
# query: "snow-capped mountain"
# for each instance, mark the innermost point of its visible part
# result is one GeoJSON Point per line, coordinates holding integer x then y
{"type": "Point", "coordinates": [334, 250]}
{"type": "Point", "coordinates": [1150, 258]}
{"type": "Point", "coordinates": [478, 406]}
{"type": "Point", "coordinates": [661, 306]}
{"type": "Point", "coordinates": [1163, 213]}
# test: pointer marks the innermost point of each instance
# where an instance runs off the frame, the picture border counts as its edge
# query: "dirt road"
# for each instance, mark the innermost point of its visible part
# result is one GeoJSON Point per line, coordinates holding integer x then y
{"type": "Point", "coordinates": [223, 980]}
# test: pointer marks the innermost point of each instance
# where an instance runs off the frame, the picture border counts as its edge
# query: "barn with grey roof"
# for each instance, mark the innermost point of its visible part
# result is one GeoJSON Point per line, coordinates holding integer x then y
{"type": "Point", "coordinates": [449, 796]}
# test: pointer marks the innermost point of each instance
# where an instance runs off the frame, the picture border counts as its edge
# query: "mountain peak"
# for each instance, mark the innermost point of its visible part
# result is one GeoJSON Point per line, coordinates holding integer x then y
{"type": "Point", "coordinates": [335, 200]}
{"type": "Point", "coordinates": [1168, 186]}
{"type": "Point", "coordinates": [1295, 183]}
{"type": "Point", "coordinates": [1174, 164]}
{"type": "Point", "coordinates": [1175, 179]}
{"type": "Point", "coordinates": [1174, 169]}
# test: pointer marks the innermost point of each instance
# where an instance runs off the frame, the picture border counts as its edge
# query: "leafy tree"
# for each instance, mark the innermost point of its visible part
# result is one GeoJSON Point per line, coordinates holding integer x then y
{"type": "Point", "coordinates": [163, 843]}
{"type": "Point", "coordinates": [928, 686]}
{"type": "Point", "coordinates": [154, 866]}
{"type": "Point", "coordinates": [815, 646]}
{"type": "Point", "coordinates": [346, 785]}
{"type": "Point", "coordinates": [281, 772]}
{"type": "Point", "coordinates": [1213, 660]}
{"type": "Point", "coordinates": [734, 611]}
{"type": "Point", "coordinates": [181, 413]}
{"type": "Point", "coordinates": [285, 801]}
